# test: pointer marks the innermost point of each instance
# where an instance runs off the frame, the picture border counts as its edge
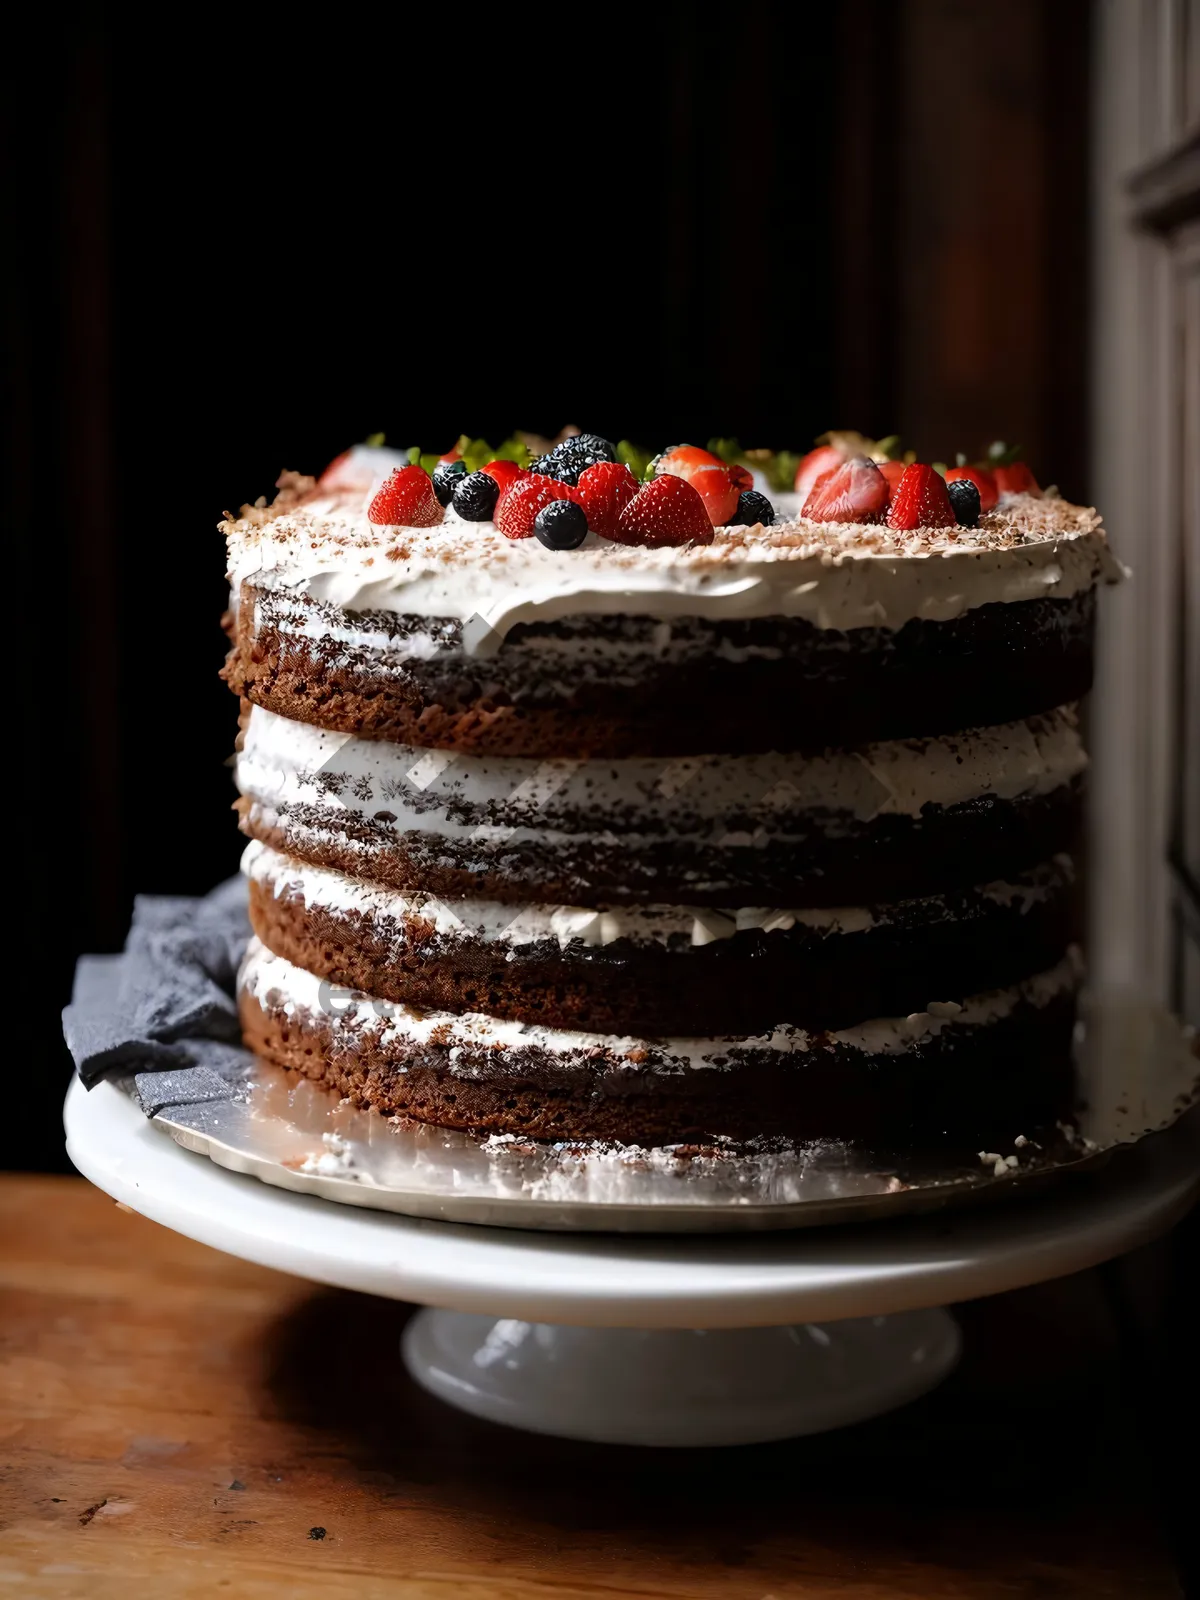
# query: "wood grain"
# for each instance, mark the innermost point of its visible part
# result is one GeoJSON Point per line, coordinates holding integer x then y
{"type": "Point", "coordinates": [176, 1424]}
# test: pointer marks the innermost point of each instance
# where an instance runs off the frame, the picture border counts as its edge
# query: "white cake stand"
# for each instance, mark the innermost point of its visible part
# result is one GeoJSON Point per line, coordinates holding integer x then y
{"type": "Point", "coordinates": [664, 1340]}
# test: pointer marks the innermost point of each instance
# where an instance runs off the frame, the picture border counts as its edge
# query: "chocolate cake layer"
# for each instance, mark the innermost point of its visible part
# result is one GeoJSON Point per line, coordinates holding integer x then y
{"type": "Point", "coordinates": [603, 686]}
{"type": "Point", "coordinates": [892, 821]}
{"type": "Point", "coordinates": [660, 970]}
{"type": "Point", "coordinates": [985, 1070]}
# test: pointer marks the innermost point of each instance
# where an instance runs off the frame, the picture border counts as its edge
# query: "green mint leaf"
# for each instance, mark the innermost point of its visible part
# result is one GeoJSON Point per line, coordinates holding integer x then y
{"type": "Point", "coordinates": [728, 449]}
{"type": "Point", "coordinates": [781, 470]}
{"type": "Point", "coordinates": [638, 461]}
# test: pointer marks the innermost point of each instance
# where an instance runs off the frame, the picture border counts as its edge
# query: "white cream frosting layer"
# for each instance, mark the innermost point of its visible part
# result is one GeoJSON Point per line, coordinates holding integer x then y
{"type": "Point", "coordinates": [491, 921]}
{"type": "Point", "coordinates": [285, 764]}
{"type": "Point", "coordinates": [278, 984]}
{"type": "Point", "coordinates": [832, 575]}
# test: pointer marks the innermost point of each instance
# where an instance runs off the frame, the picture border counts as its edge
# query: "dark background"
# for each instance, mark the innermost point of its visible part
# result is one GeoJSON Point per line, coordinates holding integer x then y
{"type": "Point", "coordinates": [669, 222]}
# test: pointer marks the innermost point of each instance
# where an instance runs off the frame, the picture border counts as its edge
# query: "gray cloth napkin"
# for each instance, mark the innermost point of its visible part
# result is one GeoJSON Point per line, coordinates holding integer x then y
{"type": "Point", "coordinates": [163, 1012]}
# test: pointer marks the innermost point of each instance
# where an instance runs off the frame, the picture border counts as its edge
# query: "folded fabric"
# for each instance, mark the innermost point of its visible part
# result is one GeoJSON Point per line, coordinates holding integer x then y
{"type": "Point", "coordinates": [163, 1012]}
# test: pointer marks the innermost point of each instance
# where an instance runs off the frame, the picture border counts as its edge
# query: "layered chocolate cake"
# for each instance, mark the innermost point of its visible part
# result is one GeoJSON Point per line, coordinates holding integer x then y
{"type": "Point", "coordinates": [596, 798]}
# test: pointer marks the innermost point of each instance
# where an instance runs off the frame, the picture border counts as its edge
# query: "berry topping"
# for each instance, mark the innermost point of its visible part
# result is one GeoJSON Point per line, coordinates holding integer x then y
{"type": "Point", "coordinates": [1015, 478]}
{"type": "Point", "coordinates": [964, 502]}
{"type": "Point", "coordinates": [569, 460]}
{"type": "Point", "coordinates": [983, 480]}
{"type": "Point", "coordinates": [561, 525]}
{"type": "Point", "coordinates": [447, 475]}
{"type": "Point", "coordinates": [921, 501]}
{"type": "Point", "coordinates": [475, 497]}
{"type": "Point", "coordinates": [814, 465]}
{"type": "Point", "coordinates": [519, 505]}
{"type": "Point", "coordinates": [355, 470]}
{"type": "Point", "coordinates": [753, 507]}
{"type": "Point", "coordinates": [666, 510]}
{"type": "Point", "coordinates": [504, 472]}
{"type": "Point", "coordinates": [855, 492]}
{"type": "Point", "coordinates": [715, 481]}
{"type": "Point", "coordinates": [406, 500]}
{"type": "Point", "coordinates": [604, 492]}
{"type": "Point", "coordinates": [893, 471]}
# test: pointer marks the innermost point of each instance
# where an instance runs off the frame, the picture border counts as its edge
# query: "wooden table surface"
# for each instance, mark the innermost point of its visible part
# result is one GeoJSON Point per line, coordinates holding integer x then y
{"type": "Point", "coordinates": [178, 1423]}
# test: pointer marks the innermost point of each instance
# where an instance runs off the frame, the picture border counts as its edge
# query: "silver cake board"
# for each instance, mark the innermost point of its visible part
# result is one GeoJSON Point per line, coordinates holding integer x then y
{"type": "Point", "coordinates": [1138, 1071]}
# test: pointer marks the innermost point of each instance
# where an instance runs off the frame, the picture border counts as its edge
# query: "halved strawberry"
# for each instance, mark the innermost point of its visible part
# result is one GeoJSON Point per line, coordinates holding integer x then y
{"type": "Point", "coordinates": [406, 500]}
{"type": "Point", "coordinates": [893, 471]}
{"type": "Point", "coordinates": [665, 511]}
{"type": "Point", "coordinates": [921, 500]}
{"type": "Point", "coordinates": [1015, 478]}
{"type": "Point", "coordinates": [604, 491]}
{"type": "Point", "coordinates": [356, 469]}
{"type": "Point", "coordinates": [520, 503]}
{"type": "Point", "coordinates": [856, 491]}
{"type": "Point", "coordinates": [715, 481]}
{"type": "Point", "coordinates": [983, 479]}
{"type": "Point", "coordinates": [814, 465]}
{"type": "Point", "coordinates": [505, 473]}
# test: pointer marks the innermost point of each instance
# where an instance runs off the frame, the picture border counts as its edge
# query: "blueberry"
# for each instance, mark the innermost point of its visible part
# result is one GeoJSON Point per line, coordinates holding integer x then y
{"type": "Point", "coordinates": [475, 496]}
{"type": "Point", "coordinates": [753, 507]}
{"type": "Point", "coordinates": [562, 525]}
{"type": "Point", "coordinates": [964, 499]}
{"type": "Point", "coordinates": [447, 476]}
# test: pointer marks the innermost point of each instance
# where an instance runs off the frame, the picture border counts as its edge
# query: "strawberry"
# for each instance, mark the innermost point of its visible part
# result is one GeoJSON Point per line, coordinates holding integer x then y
{"type": "Point", "coordinates": [893, 471]}
{"type": "Point", "coordinates": [520, 503]}
{"type": "Point", "coordinates": [666, 510]}
{"type": "Point", "coordinates": [921, 500]}
{"type": "Point", "coordinates": [1015, 478]}
{"type": "Point", "coordinates": [604, 492]}
{"type": "Point", "coordinates": [821, 460]}
{"type": "Point", "coordinates": [715, 481]}
{"type": "Point", "coordinates": [355, 470]}
{"type": "Point", "coordinates": [856, 491]}
{"type": "Point", "coordinates": [505, 473]}
{"type": "Point", "coordinates": [406, 500]}
{"type": "Point", "coordinates": [983, 479]}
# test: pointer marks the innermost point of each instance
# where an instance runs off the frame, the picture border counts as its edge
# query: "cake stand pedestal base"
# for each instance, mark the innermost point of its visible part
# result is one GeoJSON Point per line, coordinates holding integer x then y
{"type": "Point", "coordinates": [667, 1386]}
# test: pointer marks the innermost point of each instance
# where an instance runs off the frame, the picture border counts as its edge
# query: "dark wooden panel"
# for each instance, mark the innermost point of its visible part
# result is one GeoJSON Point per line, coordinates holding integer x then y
{"type": "Point", "coordinates": [964, 285]}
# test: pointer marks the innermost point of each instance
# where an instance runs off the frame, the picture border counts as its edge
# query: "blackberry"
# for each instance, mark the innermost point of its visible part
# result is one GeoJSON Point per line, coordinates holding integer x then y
{"type": "Point", "coordinates": [570, 459]}
{"type": "Point", "coordinates": [753, 507]}
{"type": "Point", "coordinates": [561, 525]}
{"type": "Point", "coordinates": [447, 476]}
{"type": "Point", "coordinates": [964, 500]}
{"type": "Point", "coordinates": [475, 496]}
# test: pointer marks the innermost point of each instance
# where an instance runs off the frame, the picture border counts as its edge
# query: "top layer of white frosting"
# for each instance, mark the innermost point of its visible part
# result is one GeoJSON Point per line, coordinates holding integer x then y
{"type": "Point", "coordinates": [833, 575]}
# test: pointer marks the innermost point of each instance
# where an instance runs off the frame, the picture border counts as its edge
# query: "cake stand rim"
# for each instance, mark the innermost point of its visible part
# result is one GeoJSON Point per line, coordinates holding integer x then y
{"type": "Point", "coordinates": [636, 1280]}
